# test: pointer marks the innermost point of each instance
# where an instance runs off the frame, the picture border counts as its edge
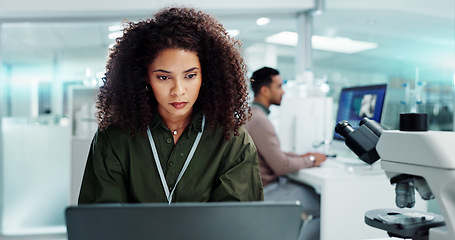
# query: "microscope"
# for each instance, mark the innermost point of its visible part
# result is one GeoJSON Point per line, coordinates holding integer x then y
{"type": "Point", "coordinates": [413, 158]}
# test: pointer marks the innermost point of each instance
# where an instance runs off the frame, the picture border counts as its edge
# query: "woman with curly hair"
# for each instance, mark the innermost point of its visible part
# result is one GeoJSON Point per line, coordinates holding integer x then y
{"type": "Point", "coordinates": [170, 116]}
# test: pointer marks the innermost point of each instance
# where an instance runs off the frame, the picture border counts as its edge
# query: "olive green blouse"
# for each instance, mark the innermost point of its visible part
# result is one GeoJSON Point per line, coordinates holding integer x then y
{"type": "Point", "coordinates": [121, 168]}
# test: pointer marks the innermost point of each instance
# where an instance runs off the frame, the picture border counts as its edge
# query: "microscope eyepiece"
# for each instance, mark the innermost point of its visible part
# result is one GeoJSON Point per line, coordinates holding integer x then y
{"type": "Point", "coordinates": [374, 126]}
{"type": "Point", "coordinates": [362, 141]}
{"type": "Point", "coordinates": [344, 128]}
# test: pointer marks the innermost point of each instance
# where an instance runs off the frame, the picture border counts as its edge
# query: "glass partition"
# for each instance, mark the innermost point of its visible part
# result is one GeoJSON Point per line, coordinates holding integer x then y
{"type": "Point", "coordinates": [49, 78]}
{"type": "Point", "coordinates": [413, 53]}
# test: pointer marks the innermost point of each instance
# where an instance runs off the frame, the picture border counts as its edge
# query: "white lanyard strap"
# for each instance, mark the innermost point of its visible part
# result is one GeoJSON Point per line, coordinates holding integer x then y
{"type": "Point", "coordinates": [185, 166]}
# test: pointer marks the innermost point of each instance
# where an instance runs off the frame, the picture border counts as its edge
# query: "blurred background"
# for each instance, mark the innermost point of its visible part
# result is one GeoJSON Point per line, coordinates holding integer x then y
{"type": "Point", "coordinates": [53, 56]}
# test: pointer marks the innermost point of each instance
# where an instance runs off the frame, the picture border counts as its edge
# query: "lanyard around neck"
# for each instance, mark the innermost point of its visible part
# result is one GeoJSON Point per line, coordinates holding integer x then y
{"type": "Point", "coordinates": [185, 166]}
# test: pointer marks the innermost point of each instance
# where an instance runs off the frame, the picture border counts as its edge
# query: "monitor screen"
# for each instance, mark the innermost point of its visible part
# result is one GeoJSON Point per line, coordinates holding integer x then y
{"type": "Point", "coordinates": [359, 102]}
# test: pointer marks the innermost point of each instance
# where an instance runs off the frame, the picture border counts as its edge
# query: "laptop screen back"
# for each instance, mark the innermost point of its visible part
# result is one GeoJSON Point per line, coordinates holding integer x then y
{"type": "Point", "coordinates": [244, 220]}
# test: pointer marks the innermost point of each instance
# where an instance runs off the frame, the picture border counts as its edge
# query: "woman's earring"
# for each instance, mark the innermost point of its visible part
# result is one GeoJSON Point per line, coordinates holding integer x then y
{"type": "Point", "coordinates": [147, 88]}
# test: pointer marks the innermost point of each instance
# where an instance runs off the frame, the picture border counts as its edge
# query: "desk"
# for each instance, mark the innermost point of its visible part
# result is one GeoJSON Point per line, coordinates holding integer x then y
{"type": "Point", "coordinates": [347, 192]}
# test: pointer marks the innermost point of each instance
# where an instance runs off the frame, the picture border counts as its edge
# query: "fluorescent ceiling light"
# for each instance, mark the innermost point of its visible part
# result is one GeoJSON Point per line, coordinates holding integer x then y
{"type": "Point", "coordinates": [233, 32]}
{"type": "Point", "coordinates": [341, 44]}
{"type": "Point", "coordinates": [114, 35]}
{"type": "Point", "coordinates": [262, 21]}
{"type": "Point", "coordinates": [116, 31]}
{"type": "Point", "coordinates": [336, 44]}
{"type": "Point", "coordinates": [283, 38]}
{"type": "Point", "coordinates": [115, 28]}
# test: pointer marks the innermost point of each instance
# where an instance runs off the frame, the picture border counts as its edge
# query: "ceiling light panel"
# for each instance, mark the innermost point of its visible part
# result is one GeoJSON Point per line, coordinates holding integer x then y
{"type": "Point", "coordinates": [335, 44]}
{"type": "Point", "coordinates": [262, 21]}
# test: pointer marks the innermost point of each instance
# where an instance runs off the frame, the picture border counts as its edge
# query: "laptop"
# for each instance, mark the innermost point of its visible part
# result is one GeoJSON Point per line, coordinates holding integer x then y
{"type": "Point", "coordinates": [220, 221]}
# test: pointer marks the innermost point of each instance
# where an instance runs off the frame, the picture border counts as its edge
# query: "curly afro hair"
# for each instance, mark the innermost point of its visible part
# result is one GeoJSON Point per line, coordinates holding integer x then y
{"type": "Point", "coordinates": [123, 100]}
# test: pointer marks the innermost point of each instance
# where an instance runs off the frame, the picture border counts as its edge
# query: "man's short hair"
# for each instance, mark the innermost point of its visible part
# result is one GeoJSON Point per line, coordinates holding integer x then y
{"type": "Point", "coordinates": [262, 77]}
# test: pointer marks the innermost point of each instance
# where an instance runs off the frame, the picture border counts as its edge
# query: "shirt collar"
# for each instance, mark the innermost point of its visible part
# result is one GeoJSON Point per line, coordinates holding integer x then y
{"type": "Point", "coordinates": [264, 108]}
{"type": "Point", "coordinates": [196, 121]}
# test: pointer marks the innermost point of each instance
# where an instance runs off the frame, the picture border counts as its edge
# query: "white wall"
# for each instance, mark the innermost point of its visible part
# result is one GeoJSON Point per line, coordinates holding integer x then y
{"type": "Point", "coordinates": [436, 8]}
{"type": "Point", "coordinates": [10, 9]}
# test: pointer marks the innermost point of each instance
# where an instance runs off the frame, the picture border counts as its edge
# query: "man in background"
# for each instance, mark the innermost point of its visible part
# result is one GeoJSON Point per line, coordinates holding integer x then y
{"type": "Point", "coordinates": [273, 162]}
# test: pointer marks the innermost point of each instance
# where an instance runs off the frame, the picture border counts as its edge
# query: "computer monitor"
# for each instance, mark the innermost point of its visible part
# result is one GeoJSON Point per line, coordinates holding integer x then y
{"type": "Point", "coordinates": [359, 102]}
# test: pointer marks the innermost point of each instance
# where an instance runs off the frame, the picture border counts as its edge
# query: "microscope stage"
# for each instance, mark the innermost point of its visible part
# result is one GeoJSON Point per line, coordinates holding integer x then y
{"type": "Point", "coordinates": [404, 223]}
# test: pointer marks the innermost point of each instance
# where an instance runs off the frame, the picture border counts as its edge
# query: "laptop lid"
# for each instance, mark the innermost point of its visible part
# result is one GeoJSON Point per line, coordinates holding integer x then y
{"type": "Point", "coordinates": [221, 221]}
